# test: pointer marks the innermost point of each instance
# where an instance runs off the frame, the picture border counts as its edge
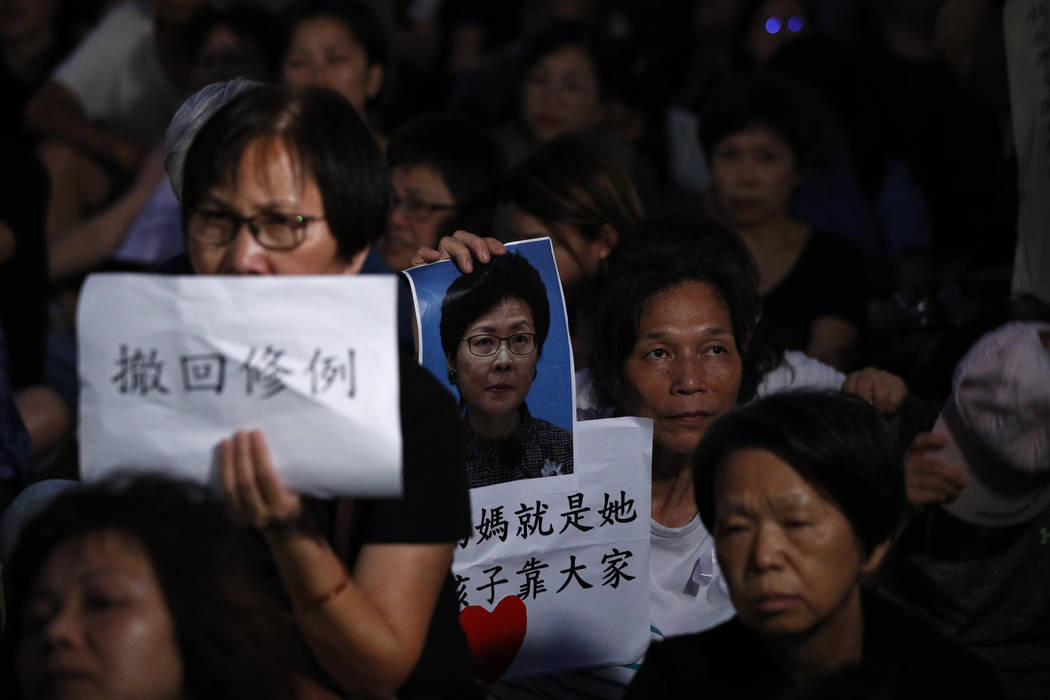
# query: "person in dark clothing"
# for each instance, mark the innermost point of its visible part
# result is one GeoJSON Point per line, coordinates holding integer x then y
{"type": "Point", "coordinates": [290, 181]}
{"type": "Point", "coordinates": [445, 172]}
{"type": "Point", "coordinates": [757, 131]}
{"type": "Point", "coordinates": [803, 493]}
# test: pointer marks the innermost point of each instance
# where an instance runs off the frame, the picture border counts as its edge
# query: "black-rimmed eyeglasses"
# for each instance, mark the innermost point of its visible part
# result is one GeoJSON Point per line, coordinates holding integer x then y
{"type": "Point", "coordinates": [273, 230]}
{"type": "Point", "coordinates": [417, 209]}
{"type": "Point", "coordinates": [486, 345]}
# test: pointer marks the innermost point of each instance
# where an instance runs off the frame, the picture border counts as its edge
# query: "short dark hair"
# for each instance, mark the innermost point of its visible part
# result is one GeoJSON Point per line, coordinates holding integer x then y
{"type": "Point", "coordinates": [767, 99]}
{"type": "Point", "coordinates": [359, 17]}
{"type": "Point", "coordinates": [323, 132]}
{"type": "Point", "coordinates": [572, 180]}
{"type": "Point", "coordinates": [233, 637]}
{"type": "Point", "coordinates": [470, 161]}
{"type": "Point", "coordinates": [838, 443]}
{"type": "Point", "coordinates": [257, 24]}
{"type": "Point", "coordinates": [471, 296]}
{"type": "Point", "coordinates": [670, 251]}
{"type": "Point", "coordinates": [569, 34]}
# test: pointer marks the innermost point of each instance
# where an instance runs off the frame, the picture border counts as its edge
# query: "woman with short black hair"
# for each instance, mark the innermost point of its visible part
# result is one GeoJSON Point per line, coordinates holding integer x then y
{"type": "Point", "coordinates": [835, 441]}
{"type": "Point", "coordinates": [290, 181]}
{"type": "Point", "coordinates": [310, 131]}
{"type": "Point", "coordinates": [803, 493]}
{"type": "Point", "coordinates": [759, 135]}
{"type": "Point", "coordinates": [445, 173]}
{"type": "Point", "coordinates": [494, 322]}
{"type": "Point", "coordinates": [337, 44]}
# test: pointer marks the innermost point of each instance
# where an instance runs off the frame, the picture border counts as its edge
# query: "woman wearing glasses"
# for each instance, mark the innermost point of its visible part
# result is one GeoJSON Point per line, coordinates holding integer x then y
{"type": "Point", "coordinates": [445, 172]}
{"type": "Point", "coordinates": [290, 181]}
{"type": "Point", "coordinates": [494, 322]}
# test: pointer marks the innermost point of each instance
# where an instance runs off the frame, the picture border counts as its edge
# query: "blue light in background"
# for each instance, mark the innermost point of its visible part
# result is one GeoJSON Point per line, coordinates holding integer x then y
{"type": "Point", "coordinates": [773, 25]}
{"type": "Point", "coordinates": [794, 24]}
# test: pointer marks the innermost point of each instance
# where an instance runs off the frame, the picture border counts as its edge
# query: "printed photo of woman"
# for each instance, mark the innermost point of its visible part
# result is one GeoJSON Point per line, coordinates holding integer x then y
{"type": "Point", "coordinates": [494, 322]}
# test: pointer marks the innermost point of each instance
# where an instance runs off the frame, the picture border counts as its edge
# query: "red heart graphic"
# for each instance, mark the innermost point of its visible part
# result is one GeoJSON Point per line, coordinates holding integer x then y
{"type": "Point", "coordinates": [495, 637]}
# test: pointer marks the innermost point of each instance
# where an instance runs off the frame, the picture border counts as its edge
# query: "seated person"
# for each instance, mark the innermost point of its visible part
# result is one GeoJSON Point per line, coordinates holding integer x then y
{"type": "Point", "coordinates": [564, 74]}
{"type": "Point", "coordinates": [142, 588]}
{"type": "Point", "coordinates": [757, 139]}
{"type": "Point", "coordinates": [108, 103]}
{"type": "Point", "coordinates": [445, 172]}
{"type": "Point", "coordinates": [337, 44]}
{"type": "Point", "coordinates": [283, 181]}
{"type": "Point", "coordinates": [575, 192]}
{"type": "Point", "coordinates": [975, 559]}
{"type": "Point", "coordinates": [803, 494]}
{"type": "Point", "coordinates": [142, 227]}
{"type": "Point", "coordinates": [674, 331]}
{"type": "Point", "coordinates": [494, 322]}
{"type": "Point", "coordinates": [564, 85]}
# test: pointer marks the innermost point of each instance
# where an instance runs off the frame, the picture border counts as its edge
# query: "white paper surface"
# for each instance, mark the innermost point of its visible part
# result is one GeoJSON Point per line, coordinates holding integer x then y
{"type": "Point", "coordinates": [170, 366]}
{"type": "Point", "coordinates": [603, 624]}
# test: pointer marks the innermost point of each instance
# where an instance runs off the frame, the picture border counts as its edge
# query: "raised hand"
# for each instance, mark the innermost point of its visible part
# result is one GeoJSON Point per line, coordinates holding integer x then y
{"type": "Point", "coordinates": [462, 248]}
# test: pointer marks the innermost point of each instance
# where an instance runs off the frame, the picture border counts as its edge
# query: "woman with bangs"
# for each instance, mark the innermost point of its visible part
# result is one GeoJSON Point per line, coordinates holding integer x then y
{"type": "Point", "coordinates": [290, 181]}
{"type": "Point", "coordinates": [804, 493]}
{"type": "Point", "coordinates": [494, 323]}
{"type": "Point", "coordinates": [336, 44]}
{"type": "Point", "coordinates": [757, 132]}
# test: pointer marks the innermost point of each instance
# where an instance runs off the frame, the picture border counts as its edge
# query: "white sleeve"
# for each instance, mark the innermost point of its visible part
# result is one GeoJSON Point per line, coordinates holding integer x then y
{"type": "Point", "coordinates": [1026, 27]}
{"type": "Point", "coordinates": [89, 71]}
{"type": "Point", "coordinates": [800, 371]}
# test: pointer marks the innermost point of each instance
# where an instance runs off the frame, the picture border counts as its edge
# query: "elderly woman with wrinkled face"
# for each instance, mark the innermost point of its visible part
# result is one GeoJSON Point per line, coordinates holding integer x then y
{"type": "Point", "coordinates": [803, 493]}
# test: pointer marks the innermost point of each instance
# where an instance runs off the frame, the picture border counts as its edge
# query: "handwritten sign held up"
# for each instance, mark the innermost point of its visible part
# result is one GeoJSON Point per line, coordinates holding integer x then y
{"type": "Point", "coordinates": [557, 577]}
{"type": "Point", "coordinates": [170, 366]}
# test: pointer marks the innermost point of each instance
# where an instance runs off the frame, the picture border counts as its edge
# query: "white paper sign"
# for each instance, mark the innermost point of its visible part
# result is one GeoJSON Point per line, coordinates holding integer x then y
{"type": "Point", "coordinates": [556, 573]}
{"type": "Point", "coordinates": [170, 366]}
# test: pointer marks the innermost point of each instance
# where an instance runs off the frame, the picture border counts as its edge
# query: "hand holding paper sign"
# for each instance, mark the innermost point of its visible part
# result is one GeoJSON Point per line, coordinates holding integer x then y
{"type": "Point", "coordinates": [366, 627]}
{"type": "Point", "coordinates": [254, 493]}
{"type": "Point", "coordinates": [170, 366]}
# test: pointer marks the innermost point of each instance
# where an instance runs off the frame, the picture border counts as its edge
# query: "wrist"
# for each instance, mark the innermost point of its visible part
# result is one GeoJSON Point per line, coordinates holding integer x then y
{"type": "Point", "coordinates": [299, 529]}
{"type": "Point", "coordinates": [311, 600]}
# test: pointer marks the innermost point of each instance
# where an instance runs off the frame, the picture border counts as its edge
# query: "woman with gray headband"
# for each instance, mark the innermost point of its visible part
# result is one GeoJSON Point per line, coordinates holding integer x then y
{"type": "Point", "coordinates": [284, 181]}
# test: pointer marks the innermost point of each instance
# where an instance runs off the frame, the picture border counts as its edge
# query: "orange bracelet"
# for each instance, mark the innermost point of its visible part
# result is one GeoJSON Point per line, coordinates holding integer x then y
{"type": "Point", "coordinates": [319, 600]}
